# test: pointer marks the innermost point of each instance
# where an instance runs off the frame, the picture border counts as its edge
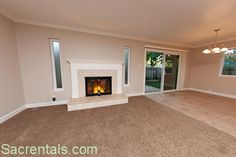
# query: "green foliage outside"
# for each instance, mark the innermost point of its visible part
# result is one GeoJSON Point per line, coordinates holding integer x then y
{"type": "Point", "coordinates": [230, 61]}
{"type": "Point", "coordinates": [229, 65]}
{"type": "Point", "coordinates": [154, 59]}
{"type": "Point", "coordinates": [154, 84]}
{"type": "Point", "coordinates": [169, 63]}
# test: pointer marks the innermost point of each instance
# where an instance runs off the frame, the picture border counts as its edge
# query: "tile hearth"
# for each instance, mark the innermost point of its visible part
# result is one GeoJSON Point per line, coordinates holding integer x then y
{"type": "Point", "coordinates": [96, 101]}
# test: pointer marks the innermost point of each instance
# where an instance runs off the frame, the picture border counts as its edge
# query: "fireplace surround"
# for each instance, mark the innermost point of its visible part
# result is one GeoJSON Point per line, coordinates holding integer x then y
{"type": "Point", "coordinates": [98, 85]}
{"type": "Point", "coordinates": [82, 69]}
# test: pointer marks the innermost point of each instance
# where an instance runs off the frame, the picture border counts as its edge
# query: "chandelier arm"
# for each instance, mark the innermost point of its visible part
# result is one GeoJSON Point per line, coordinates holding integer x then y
{"type": "Point", "coordinates": [215, 48]}
{"type": "Point", "coordinates": [216, 38]}
{"type": "Point", "coordinates": [216, 30]}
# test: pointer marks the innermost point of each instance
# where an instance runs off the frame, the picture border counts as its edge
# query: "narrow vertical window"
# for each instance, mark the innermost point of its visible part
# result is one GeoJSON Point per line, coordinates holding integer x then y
{"type": "Point", "coordinates": [127, 64]}
{"type": "Point", "coordinates": [56, 63]}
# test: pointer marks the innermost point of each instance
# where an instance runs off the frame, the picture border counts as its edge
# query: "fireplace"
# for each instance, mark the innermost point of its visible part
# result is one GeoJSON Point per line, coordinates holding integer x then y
{"type": "Point", "coordinates": [98, 85]}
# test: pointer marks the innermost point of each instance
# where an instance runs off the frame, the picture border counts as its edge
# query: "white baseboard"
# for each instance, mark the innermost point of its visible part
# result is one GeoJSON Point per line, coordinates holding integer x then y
{"type": "Point", "coordinates": [44, 104]}
{"type": "Point", "coordinates": [140, 94]}
{"type": "Point", "coordinates": [134, 94]}
{"type": "Point", "coordinates": [167, 91]}
{"type": "Point", "coordinates": [22, 108]}
{"type": "Point", "coordinates": [213, 93]}
{"type": "Point", "coordinates": [184, 89]}
{"type": "Point", "coordinates": [11, 114]}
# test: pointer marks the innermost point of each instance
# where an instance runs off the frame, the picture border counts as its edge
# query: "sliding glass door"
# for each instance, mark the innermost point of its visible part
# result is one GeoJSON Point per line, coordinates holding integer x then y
{"type": "Point", "coordinates": [161, 71]}
{"type": "Point", "coordinates": [171, 71]}
{"type": "Point", "coordinates": [154, 68]}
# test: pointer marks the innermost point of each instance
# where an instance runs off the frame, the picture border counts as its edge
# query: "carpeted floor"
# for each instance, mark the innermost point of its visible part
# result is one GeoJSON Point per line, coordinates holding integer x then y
{"type": "Point", "coordinates": [141, 128]}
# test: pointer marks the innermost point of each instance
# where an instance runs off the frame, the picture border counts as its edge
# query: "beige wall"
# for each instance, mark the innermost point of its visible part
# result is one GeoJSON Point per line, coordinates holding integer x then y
{"type": "Point", "coordinates": [188, 68]}
{"type": "Point", "coordinates": [204, 72]}
{"type": "Point", "coordinates": [35, 62]}
{"type": "Point", "coordinates": [11, 93]}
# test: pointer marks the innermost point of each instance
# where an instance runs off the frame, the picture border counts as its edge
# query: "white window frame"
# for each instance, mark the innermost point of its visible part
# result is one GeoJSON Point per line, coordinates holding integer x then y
{"type": "Point", "coordinates": [53, 65]}
{"type": "Point", "coordinates": [129, 61]}
{"type": "Point", "coordinates": [165, 52]}
{"type": "Point", "coordinates": [222, 64]}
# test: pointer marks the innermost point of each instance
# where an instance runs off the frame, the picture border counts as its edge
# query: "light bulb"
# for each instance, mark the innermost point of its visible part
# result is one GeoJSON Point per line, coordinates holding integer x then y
{"type": "Point", "coordinates": [216, 50]}
{"type": "Point", "coordinates": [206, 51]}
{"type": "Point", "coordinates": [224, 49]}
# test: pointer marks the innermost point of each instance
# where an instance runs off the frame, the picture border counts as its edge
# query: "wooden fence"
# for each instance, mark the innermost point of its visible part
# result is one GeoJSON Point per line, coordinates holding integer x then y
{"type": "Point", "coordinates": [153, 73]}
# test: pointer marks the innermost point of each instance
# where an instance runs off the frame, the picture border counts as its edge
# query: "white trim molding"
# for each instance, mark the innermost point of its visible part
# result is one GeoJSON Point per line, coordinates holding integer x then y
{"type": "Point", "coordinates": [99, 32]}
{"type": "Point", "coordinates": [94, 31]}
{"type": "Point", "coordinates": [166, 49]}
{"type": "Point", "coordinates": [181, 68]}
{"type": "Point", "coordinates": [184, 89]}
{"type": "Point", "coordinates": [51, 40]}
{"type": "Point", "coordinates": [153, 93]}
{"type": "Point", "coordinates": [11, 114]}
{"type": "Point", "coordinates": [85, 30]}
{"type": "Point", "coordinates": [134, 94]}
{"type": "Point", "coordinates": [45, 104]}
{"type": "Point", "coordinates": [212, 93]}
{"type": "Point", "coordinates": [27, 106]}
{"type": "Point", "coordinates": [129, 65]}
{"type": "Point", "coordinates": [222, 61]}
{"type": "Point", "coordinates": [91, 65]}
{"type": "Point", "coordinates": [64, 102]}
{"type": "Point", "coordinates": [220, 42]}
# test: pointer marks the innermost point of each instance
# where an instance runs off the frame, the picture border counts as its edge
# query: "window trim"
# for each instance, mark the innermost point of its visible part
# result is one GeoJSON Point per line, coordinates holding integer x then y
{"type": "Point", "coordinates": [129, 63]}
{"type": "Point", "coordinates": [51, 40]}
{"type": "Point", "coordinates": [222, 65]}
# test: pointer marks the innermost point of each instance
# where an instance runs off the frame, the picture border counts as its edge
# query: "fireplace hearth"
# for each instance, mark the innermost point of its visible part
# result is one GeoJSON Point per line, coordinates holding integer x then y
{"type": "Point", "coordinates": [96, 86]}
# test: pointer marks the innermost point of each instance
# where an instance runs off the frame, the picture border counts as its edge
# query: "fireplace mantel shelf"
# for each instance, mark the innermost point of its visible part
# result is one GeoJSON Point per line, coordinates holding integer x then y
{"type": "Point", "coordinates": [74, 61]}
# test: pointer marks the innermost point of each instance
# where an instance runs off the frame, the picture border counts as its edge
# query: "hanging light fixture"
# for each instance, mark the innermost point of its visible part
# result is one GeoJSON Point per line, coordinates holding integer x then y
{"type": "Point", "coordinates": [215, 48]}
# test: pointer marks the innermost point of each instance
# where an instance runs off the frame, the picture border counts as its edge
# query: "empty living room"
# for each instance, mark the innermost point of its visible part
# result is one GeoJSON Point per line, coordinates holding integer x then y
{"type": "Point", "coordinates": [124, 78]}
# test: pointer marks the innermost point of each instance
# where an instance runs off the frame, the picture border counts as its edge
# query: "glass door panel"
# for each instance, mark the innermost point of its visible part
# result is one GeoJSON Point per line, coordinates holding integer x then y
{"type": "Point", "coordinates": [171, 71]}
{"type": "Point", "coordinates": [154, 70]}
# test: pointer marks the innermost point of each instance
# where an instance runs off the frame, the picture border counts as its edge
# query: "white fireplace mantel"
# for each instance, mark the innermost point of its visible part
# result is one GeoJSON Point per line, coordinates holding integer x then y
{"type": "Point", "coordinates": [93, 65]}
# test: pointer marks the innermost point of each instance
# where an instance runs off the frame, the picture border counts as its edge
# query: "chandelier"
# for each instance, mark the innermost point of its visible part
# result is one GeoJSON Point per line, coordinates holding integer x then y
{"type": "Point", "coordinates": [215, 48]}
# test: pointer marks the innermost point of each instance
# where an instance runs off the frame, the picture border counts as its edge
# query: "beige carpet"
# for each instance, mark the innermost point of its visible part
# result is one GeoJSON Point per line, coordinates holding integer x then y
{"type": "Point", "coordinates": [142, 128]}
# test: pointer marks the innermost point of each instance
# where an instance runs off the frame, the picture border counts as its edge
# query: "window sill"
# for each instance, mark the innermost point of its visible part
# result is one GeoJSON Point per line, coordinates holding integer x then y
{"type": "Point", "coordinates": [58, 90]}
{"type": "Point", "coordinates": [126, 85]}
{"type": "Point", "coordinates": [229, 76]}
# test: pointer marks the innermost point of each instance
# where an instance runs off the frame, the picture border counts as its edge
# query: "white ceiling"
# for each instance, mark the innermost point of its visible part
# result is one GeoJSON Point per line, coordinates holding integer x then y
{"type": "Point", "coordinates": [184, 22]}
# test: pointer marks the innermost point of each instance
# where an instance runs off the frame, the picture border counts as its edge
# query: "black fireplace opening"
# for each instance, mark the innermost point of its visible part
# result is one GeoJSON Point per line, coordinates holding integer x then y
{"type": "Point", "coordinates": [98, 85]}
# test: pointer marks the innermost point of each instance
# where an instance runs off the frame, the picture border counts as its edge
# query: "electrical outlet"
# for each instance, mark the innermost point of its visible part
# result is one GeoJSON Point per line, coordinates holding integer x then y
{"type": "Point", "coordinates": [54, 98]}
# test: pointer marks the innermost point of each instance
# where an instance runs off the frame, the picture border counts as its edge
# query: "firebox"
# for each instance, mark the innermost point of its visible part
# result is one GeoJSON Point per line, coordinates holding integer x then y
{"type": "Point", "coordinates": [98, 85]}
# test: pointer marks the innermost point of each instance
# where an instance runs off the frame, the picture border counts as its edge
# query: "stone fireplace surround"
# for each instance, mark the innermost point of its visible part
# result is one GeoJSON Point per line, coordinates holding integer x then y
{"type": "Point", "coordinates": [82, 69]}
